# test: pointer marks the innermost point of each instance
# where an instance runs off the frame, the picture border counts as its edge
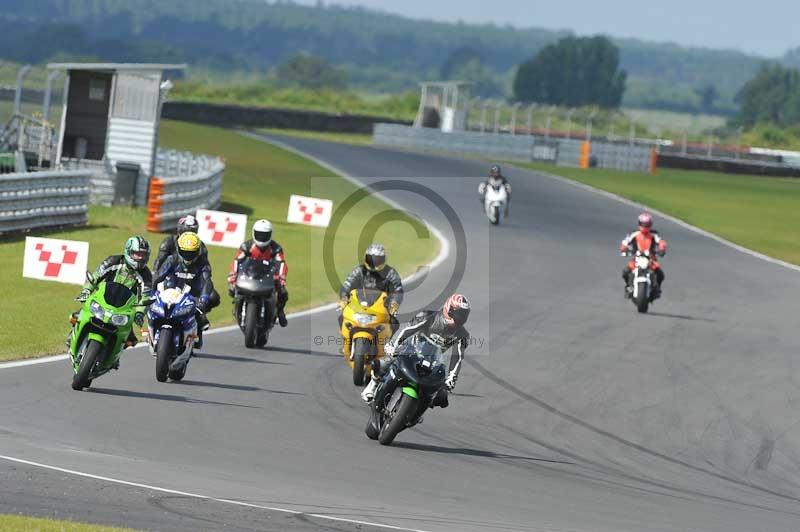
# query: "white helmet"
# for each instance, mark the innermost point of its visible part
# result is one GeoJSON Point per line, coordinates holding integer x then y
{"type": "Point", "coordinates": [262, 233]}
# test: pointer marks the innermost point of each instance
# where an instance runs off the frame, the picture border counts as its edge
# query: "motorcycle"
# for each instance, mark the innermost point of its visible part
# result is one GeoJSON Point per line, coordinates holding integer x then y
{"type": "Point", "coordinates": [408, 388]}
{"type": "Point", "coordinates": [495, 200]}
{"type": "Point", "coordinates": [366, 327]}
{"type": "Point", "coordinates": [172, 327]}
{"type": "Point", "coordinates": [100, 330]}
{"type": "Point", "coordinates": [255, 301]}
{"type": "Point", "coordinates": [641, 288]}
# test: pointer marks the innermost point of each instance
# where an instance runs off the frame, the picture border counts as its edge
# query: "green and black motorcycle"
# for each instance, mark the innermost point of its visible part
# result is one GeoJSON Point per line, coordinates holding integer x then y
{"type": "Point", "coordinates": [100, 330]}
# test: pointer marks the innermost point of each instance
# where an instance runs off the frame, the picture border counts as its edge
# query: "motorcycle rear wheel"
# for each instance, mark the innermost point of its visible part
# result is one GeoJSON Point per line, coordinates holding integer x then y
{"type": "Point", "coordinates": [82, 379]}
{"type": "Point", "coordinates": [397, 420]}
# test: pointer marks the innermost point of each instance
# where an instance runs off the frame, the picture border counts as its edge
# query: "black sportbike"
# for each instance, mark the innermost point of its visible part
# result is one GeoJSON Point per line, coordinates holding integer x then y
{"type": "Point", "coordinates": [255, 301]}
{"type": "Point", "coordinates": [409, 387]}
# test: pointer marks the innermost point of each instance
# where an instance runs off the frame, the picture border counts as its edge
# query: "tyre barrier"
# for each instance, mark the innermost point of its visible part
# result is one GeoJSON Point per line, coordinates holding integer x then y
{"type": "Point", "coordinates": [37, 200]}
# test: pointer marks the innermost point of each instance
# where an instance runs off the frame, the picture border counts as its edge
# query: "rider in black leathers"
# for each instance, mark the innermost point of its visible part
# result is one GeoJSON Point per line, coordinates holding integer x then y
{"type": "Point", "coordinates": [443, 328]}
{"type": "Point", "coordinates": [374, 274]}
{"type": "Point", "coordinates": [169, 246]}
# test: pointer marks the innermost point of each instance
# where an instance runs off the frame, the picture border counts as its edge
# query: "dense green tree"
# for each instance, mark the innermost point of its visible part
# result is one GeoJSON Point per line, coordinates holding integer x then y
{"type": "Point", "coordinates": [312, 73]}
{"type": "Point", "coordinates": [573, 72]}
{"type": "Point", "coordinates": [773, 95]}
{"type": "Point", "coordinates": [708, 95]}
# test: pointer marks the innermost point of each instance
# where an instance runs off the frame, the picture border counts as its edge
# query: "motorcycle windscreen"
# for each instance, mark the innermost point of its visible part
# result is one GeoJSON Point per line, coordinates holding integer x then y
{"type": "Point", "coordinates": [368, 296]}
{"type": "Point", "coordinates": [256, 277]}
{"type": "Point", "coordinates": [117, 295]}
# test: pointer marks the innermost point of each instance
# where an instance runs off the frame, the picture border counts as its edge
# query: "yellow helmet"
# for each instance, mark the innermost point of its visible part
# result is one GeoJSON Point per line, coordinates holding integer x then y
{"type": "Point", "coordinates": [189, 247]}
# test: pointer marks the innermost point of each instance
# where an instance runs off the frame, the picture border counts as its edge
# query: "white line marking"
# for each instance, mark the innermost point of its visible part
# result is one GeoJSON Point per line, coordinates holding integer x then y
{"type": "Point", "coordinates": [444, 252]}
{"type": "Point", "coordinates": [666, 216]}
{"type": "Point", "coordinates": [205, 497]}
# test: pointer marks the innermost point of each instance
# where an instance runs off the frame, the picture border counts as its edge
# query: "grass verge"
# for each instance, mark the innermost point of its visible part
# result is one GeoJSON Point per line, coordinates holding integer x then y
{"type": "Point", "coordinates": [258, 182]}
{"type": "Point", "coordinates": [759, 213]}
{"type": "Point", "coordinates": [30, 524]}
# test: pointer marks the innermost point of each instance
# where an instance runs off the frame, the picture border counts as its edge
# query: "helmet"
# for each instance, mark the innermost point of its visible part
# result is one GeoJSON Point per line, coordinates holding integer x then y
{"type": "Point", "coordinates": [189, 247]}
{"type": "Point", "coordinates": [188, 223]}
{"type": "Point", "coordinates": [262, 233]}
{"type": "Point", "coordinates": [137, 252]}
{"type": "Point", "coordinates": [495, 171]}
{"type": "Point", "coordinates": [375, 257]}
{"type": "Point", "coordinates": [456, 310]}
{"type": "Point", "coordinates": [645, 222]}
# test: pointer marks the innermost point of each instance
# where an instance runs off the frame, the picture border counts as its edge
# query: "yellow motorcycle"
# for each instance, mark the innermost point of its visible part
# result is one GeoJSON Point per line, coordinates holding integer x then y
{"type": "Point", "coordinates": [366, 327]}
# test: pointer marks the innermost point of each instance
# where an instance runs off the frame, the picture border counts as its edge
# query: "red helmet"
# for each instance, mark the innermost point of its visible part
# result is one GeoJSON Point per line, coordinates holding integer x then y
{"type": "Point", "coordinates": [456, 310]}
{"type": "Point", "coordinates": [645, 221]}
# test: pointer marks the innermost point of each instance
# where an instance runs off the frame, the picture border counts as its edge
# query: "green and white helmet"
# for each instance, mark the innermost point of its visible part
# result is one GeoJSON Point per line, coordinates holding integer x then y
{"type": "Point", "coordinates": [137, 252]}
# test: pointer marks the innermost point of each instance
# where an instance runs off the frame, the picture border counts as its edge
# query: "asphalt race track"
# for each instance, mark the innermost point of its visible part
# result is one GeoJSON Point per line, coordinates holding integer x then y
{"type": "Point", "coordinates": [575, 414]}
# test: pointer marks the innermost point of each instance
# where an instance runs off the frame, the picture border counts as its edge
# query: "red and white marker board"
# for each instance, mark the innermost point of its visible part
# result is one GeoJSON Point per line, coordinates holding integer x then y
{"type": "Point", "coordinates": [309, 211]}
{"type": "Point", "coordinates": [49, 259]}
{"type": "Point", "coordinates": [219, 228]}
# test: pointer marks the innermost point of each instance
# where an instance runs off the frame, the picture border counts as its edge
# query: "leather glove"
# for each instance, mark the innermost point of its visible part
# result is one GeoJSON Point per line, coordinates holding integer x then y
{"type": "Point", "coordinates": [138, 318]}
{"type": "Point", "coordinates": [450, 382]}
{"type": "Point", "coordinates": [203, 302]}
{"type": "Point", "coordinates": [342, 304]}
{"type": "Point", "coordinates": [393, 308]}
{"type": "Point", "coordinates": [84, 295]}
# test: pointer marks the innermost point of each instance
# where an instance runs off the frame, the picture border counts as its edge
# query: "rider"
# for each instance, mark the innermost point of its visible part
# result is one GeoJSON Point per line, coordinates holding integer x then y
{"type": "Point", "coordinates": [645, 239]}
{"type": "Point", "coordinates": [263, 247]}
{"type": "Point", "coordinates": [187, 266]}
{"type": "Point", "coordinates": [496, 178]}
{"type": "Point", "coordinates": [129, 269]}
{"type": "Point", "coordinates": [443, 328]}
{"type": "Point", "coordinates": [374, 273]}
{"type": "Point", "coordinates": [169, 246]}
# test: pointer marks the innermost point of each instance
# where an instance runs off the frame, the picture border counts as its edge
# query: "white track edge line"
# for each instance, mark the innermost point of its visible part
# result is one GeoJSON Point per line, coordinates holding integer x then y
{"type": "Point", "coordinates": [205, 497]}
{"type": "Point", "coordinates": [673, 219]}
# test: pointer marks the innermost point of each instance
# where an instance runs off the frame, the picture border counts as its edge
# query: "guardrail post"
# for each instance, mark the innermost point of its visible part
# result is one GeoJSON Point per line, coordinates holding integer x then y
{"type": "Point", "coordinates": [497, 117]}
{"type": "Point", "coordinates": [514, 109]}
{"type": "Point", "coordinates": [18, 92]}
{"type": "Point", "coordinates": [530, 118]}
{"type": "Point", "coordinates": [569, 123]}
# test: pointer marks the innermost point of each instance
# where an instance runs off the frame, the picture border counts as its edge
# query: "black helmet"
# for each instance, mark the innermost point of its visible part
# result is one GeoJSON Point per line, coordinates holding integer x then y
{"type": "Point", "coordinates": [495, 171]}
{"type": "Point", "coordinates": [188, 224]}
{"type": "Point", "coordinates": [456, 310]}
{"type": "Point", "coordinates": [375, 257]}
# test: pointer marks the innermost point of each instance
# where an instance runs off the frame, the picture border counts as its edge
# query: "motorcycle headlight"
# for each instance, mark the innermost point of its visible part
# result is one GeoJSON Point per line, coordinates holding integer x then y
{"type": "Point", "coordinates": [642, 262]}
{"type": "Point", "coordinates": [97, 310]}
{"type": "Point", "coordinates": [157, 309]}
{"type": "Point", "coordinates": [120, 320]}
{"type": "Point", "coordinates": [363, 319]}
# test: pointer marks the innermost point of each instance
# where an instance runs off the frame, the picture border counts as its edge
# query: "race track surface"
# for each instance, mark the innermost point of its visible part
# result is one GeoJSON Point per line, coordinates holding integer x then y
{"type": "Point", "coordinates": [574, 414]}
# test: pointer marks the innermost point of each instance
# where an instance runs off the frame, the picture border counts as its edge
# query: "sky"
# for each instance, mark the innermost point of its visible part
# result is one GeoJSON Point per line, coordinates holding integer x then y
{"type": "Point", "coordinates": [767, 27]}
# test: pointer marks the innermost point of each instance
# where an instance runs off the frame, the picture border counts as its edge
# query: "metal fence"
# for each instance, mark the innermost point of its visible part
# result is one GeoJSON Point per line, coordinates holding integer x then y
{"type": "Point", "coordinates": [526, 148]}
{"type": "Point", "coordinates": [43, 199]}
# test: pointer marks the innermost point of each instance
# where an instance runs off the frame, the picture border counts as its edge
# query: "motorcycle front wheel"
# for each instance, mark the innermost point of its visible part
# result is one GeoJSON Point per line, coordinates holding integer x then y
{"type": "Point", "coordinates": [642, 300]}
{"type": "Point", "coordinates": [397, 420]}
{"type": "Point", "coordinates": [361, 350]}
{"type": "Point", "coordinates": [163, 354]}
{"type": "Point", "coordinates": [82, 379]}
{"type": "Point", "coordinates": [251, 324]}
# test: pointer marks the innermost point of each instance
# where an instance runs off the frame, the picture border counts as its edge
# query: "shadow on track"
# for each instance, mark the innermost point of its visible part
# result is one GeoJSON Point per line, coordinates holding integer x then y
{"type": "Point", "coordinates": [236, 387]}
{"type": "Point", "coordinates": [296, 351]}
{"type": "Point", "coordinates": [681, 317]}
{"type": "Point", "coordinates": [472, 452]}
{"type": "Point", "coordinates": [231, 358]}
{"type": "Point", "coordinates": [163, 397]}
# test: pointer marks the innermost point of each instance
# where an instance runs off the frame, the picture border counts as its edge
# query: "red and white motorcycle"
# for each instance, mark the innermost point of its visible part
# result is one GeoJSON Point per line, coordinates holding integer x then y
{"type": "Point", "coordinates": [643, 280]}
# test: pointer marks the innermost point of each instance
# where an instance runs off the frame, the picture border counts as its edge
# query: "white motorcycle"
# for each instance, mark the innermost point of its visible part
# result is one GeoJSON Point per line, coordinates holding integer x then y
{"type": "Point", "coordinates": [495, 200]}
{"type": "Point", "coordinates": [642, 284]}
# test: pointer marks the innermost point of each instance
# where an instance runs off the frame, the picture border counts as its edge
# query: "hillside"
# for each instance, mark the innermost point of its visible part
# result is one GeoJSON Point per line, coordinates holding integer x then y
{"type": "Point", "coordinates": [381, 52]}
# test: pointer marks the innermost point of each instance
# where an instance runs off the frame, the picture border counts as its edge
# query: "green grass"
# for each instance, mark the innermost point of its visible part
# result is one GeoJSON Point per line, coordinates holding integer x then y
{"type": "Point", "coordinates": [759, 213]}
{"type": "Point", "coordinates": [695, 124]}
{"type": "Point", "coordinates": [18, 523]}
{"type": "Point", "coordinates": [259, 180]}
{"type": "Point", "coordinates": [343, 138]}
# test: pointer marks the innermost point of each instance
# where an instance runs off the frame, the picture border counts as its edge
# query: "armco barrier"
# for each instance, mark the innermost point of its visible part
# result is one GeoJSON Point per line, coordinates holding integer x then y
{"type": "Point", "coordinates": [507, 147]}
{"type": "Point", "coordinates": [43, 199]}
{"type": "Point", "coordinates": [173, 197]}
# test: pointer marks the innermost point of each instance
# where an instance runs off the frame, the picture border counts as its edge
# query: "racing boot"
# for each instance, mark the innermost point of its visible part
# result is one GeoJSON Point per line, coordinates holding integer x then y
{"type": "Point", "coordinates": [282, 321]}
{"type": "Point", "coordinates": [368, 393]}
{"type": "Point", "coordinates": [440, 400]}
